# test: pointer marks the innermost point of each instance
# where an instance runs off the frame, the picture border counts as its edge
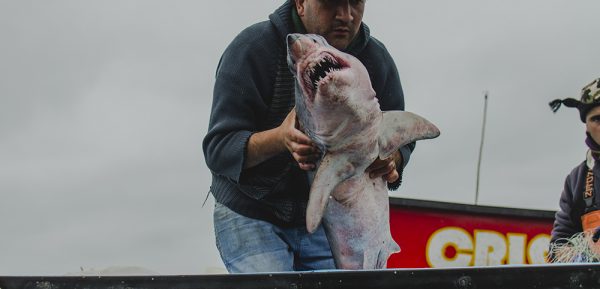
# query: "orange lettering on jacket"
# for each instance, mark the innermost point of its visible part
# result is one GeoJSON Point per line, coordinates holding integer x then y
{"type": "Point", "coordinates": [589, 185]}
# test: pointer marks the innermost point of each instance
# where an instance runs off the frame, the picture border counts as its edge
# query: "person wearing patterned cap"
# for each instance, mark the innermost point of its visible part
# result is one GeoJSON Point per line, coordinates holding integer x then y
{"type": "Point", "coordinates": [579, 204]}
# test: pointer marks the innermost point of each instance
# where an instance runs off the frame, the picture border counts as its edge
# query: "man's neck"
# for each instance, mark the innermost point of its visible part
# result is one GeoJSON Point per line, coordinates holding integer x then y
{"type": "Point", "coordinates": [298, 25]}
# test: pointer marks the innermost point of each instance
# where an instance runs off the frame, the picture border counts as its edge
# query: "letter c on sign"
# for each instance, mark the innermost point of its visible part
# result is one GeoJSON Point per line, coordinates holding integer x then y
{"type": "Point", "coordinates": [454, 237]}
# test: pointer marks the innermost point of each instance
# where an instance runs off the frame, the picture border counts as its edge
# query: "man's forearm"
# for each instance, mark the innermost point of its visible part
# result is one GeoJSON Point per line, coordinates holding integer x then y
{"type": "Point", "coordinates": [262, 146]}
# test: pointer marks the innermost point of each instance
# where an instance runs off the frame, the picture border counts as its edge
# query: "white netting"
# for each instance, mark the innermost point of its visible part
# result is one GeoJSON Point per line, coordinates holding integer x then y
{"type": "Point", "coordinates": [578, 249]}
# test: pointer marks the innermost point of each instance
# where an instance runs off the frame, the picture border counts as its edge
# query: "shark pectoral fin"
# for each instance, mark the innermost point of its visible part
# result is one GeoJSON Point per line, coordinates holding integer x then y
{"type": "Point", "coordinates": [399, 128]}
{"type": "Point", "coordinates": [330, 173]}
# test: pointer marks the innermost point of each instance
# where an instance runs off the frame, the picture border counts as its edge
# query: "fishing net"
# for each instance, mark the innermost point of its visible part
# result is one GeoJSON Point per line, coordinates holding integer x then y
{"type": "Point", "coordinates": [580, 248]}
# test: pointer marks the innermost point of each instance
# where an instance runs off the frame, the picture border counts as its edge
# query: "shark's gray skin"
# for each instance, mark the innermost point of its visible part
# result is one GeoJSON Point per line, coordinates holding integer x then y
{"type": "Point", "coordinates": [337, 108]}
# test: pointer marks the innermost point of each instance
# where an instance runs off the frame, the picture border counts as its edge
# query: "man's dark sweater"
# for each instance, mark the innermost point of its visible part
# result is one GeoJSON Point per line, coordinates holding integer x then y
{"type": "Point", "coordinates": [254, 91]}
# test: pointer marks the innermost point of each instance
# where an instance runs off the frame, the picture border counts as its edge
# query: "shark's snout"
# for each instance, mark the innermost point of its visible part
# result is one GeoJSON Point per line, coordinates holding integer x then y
{"type": "Point", "coordinates": [296, 48]}
{"type": "Point", "coordinates": [302, 44]}
{"type": "Point", "coordinates": [293, 51]}
{"type": "Point", "coordinates": [291, 38]}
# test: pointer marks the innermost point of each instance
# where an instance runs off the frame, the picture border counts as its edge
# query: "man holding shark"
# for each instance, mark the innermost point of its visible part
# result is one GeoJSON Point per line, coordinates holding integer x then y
{"type": "Point", "coordinates": [257, 153]}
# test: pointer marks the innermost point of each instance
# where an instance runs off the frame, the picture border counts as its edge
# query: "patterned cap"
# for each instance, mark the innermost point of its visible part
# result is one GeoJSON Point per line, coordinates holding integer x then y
{"type": "Point", "coordinates": [590, 98]}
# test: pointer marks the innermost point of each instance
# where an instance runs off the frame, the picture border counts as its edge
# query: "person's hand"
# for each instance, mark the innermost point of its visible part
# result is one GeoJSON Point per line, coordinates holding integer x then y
{"type": "Point", "coordinates": [298, 144]}
{"type": "Point", "coordinates": [386, 168]}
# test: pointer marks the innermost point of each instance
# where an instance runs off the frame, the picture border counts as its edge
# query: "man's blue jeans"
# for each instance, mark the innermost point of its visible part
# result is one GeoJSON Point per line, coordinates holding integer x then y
{"type": "Point", "coordinates": [249, 245]}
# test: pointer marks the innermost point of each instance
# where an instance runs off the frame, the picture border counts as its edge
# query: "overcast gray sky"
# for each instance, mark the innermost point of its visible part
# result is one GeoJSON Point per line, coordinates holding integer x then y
{"type": "Point", "coordinates": [104, 104]}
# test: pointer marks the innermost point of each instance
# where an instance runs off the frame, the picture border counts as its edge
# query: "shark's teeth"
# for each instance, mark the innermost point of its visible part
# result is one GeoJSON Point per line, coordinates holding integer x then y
{"type": "Point", "coordinates": [320, 70]}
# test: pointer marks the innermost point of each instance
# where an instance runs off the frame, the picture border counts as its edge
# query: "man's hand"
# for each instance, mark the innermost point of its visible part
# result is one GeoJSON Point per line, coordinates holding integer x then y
{"type": "Point", "coordinates": [266, 144]}
{"type": "Point", "coordinates": [297, 143]}
{"type": "Point", "coordinates": [385, 168]}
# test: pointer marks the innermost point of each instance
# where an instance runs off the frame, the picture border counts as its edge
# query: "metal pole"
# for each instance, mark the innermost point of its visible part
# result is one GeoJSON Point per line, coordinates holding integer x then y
{"type": "Point", "coordinates": [481, 146]}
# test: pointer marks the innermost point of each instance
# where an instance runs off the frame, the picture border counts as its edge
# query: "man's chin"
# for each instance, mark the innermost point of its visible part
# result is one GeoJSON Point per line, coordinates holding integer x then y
{"type": "Point", "coordinates": [339, 43]}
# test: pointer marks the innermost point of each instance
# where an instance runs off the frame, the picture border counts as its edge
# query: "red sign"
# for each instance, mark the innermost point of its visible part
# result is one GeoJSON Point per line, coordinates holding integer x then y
{"type": "Point", "coordinates": [433, 234]}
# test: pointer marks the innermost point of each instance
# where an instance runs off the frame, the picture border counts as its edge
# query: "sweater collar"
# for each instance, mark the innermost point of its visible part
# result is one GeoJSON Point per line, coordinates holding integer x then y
{"type": "Point", "coordinates": [589, 160]}
{"type": "Point", "coordinates": [593, 153]}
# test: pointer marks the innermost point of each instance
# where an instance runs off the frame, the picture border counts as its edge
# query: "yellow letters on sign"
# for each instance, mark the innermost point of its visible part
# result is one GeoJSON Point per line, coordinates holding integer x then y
{"type": "Point", "coordinates": [484, 248]}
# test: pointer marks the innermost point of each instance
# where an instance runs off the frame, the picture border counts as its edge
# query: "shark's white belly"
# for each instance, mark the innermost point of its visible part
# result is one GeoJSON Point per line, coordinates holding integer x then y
{"type": "Point", "coordinates": [356, 221]}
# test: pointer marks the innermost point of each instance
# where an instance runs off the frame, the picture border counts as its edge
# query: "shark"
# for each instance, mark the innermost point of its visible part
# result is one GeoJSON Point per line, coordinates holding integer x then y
{"type": "Point", "coordinates": [337, 108]}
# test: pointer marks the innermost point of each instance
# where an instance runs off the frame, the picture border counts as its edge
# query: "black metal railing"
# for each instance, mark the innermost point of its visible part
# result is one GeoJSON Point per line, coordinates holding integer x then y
{"type": "Point", "coordinates": [509, 277]}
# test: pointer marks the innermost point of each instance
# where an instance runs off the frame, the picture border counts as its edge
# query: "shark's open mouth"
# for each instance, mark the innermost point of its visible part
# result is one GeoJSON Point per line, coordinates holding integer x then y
{"type": "Point", "coordinates": [326, 65]}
